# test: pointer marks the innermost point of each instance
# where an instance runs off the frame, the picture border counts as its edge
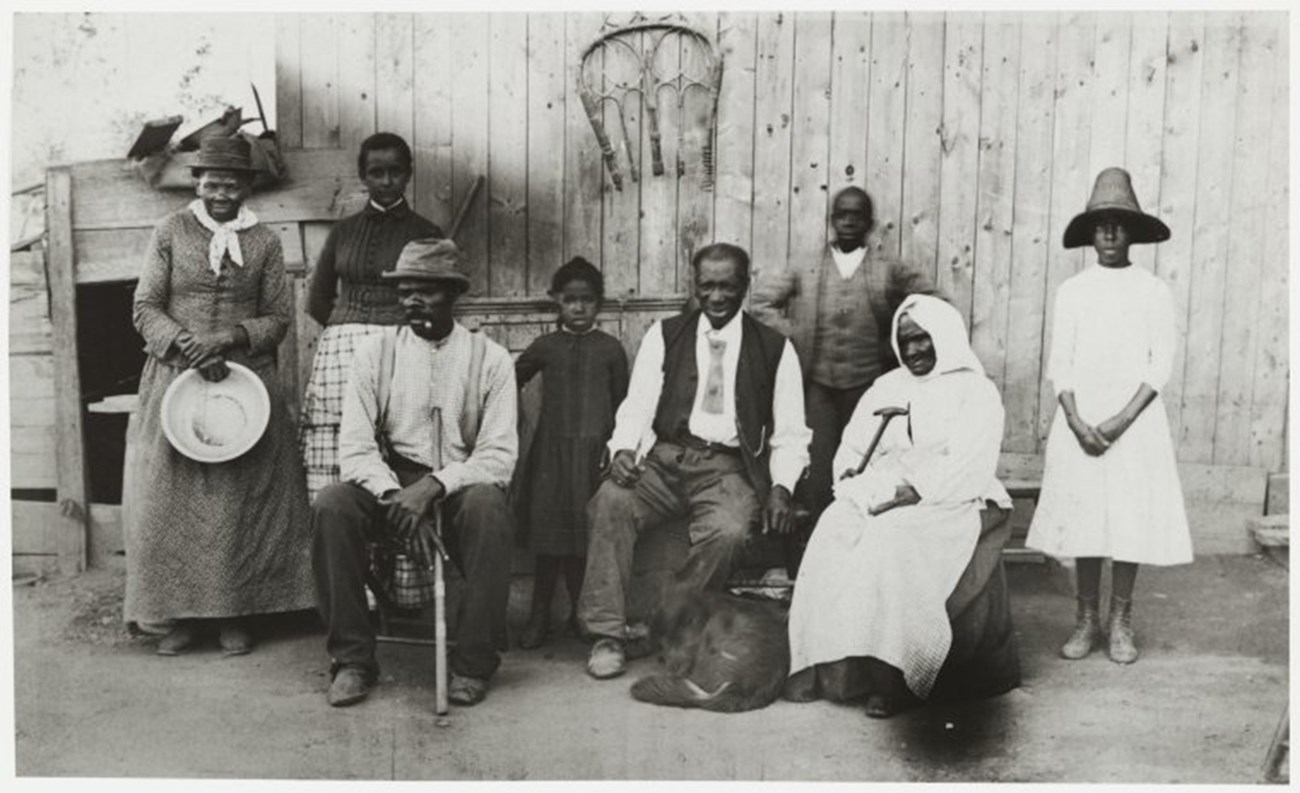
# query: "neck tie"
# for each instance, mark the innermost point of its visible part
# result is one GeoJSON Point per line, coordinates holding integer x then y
{"type": "Point", "coordinates": [713, 386]}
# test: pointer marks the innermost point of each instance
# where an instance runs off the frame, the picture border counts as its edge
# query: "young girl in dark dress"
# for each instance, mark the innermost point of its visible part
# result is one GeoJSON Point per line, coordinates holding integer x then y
{"type": "Point", "coordinates": [585, 376]}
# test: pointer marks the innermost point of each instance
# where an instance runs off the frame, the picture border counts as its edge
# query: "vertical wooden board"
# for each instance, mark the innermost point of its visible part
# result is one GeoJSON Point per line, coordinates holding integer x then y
{"type": "Point", "coordinates": [773, 106]}
{"type": "Point", "coordinates": [810, 140]}
{"type": "Point", "coordinates": [621, 209]}
{"type": "Point", "coordinates": [357, 78]}
{"type": "Point", "coordinates": [395, 79]}
{"type": "Point", "coordinates": [1249, 211]}
{"type": "Point", "coordinates": [306, 336]}
{"type": "Point", "coordinates": [288, 80]}
{"type": "Point", "coordinates": [320, 82]}
{"type": "Point", "coordinates": [1179, 167]}
{"type": "Point", "coordinates": [658, 229]}
{"type": "Point", "coordinates": [469, 115]}
{"type": "Point", "coordinates": [1144, 141]}
{"type": "Point", "coordinates": [1071, 181]}
{"type": "Point", "coordinates": [695, 185]}
{"type": "Point", "coordinates": [69, 449]}
{"type": "Point", "coordinates": [432, 145]}
{"type": "Point", "coordinates": [887, 115]}
{"type": "Point", "coordinates": [584, 171]}
{"type": "Point", "coordinates": [287, 364]}
{"type": "Point", "coordinates": [1027, 300]}
{"type": "Point", "coordinates": [1268, 411]}
{"type": "Point", "coordinates": [1210, 237]}
{"type": "Point", "coordinates": [733, 201]}
{"type": "Point", "coordinates": [1110, 78]}
{"type": "Point", "coordinates": [959, 169]}
{"type": "Point", "coordinates": [851, 108]}
{"type": "Point", "coordinates": [922, 147]}
{"type": "Point", "coordinates": [507, 184]}
{"type": "Point", "coordinates": [995, 202]}
{"type": "Point", "coordinates": [546, 147]}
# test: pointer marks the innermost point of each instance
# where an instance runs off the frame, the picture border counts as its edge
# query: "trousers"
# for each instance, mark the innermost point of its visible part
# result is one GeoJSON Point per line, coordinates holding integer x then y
{"type": "Point", "coordinates": [828, 411]}
{"type": "Point", "coordinates": [479, 526]}
{"type": "Point", "coordinates": [709, 487]}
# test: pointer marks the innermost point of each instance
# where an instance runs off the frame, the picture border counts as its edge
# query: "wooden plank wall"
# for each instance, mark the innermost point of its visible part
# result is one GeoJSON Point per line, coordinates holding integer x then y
{"type": "Point", "coordinates": [977, 134]}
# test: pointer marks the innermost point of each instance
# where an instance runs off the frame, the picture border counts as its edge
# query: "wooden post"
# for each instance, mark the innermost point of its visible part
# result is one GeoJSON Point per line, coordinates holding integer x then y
{"type": "Point", "coordinates": [69, 451]}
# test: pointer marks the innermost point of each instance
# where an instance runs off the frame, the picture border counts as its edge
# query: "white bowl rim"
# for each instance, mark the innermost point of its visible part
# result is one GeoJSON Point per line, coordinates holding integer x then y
{"type": "Point", "coordinates": [263, 398]}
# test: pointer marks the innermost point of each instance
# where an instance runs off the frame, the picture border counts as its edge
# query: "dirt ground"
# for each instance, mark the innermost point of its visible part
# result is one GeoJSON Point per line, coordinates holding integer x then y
{"type": "Point", "coordinates": [1200, 706]}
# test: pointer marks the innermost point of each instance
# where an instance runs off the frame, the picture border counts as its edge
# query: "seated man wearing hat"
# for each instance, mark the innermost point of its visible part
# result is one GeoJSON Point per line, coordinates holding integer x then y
{"type": "Point", "coordinates": [466, 473]}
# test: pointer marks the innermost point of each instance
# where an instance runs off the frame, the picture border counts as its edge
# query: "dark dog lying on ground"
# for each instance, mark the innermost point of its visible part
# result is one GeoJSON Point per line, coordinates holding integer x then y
{"type": "Point", "coordinates": [721, 652]}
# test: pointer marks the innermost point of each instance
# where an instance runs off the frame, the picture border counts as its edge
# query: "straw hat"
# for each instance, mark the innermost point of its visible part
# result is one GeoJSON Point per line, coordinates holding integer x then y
{"type": "Point", "coordinates": [223, 154]}
{"type": "Point", "coordinates": [1113, 195]}
{"type": "Point", "coordinates": [430, 260]}
{"type": "Point", "coordinates": [215, 422]}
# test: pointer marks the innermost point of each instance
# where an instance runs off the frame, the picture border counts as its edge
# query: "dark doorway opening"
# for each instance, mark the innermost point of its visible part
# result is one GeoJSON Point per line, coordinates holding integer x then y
{"type": "Point", "coordinates": [110, 355]}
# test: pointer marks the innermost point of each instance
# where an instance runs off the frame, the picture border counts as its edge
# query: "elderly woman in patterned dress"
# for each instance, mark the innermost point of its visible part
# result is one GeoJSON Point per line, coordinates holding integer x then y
{"type": "Point", "coordinates": [348, 296]}
{"type": "Point", "coordinates": [212, 544]}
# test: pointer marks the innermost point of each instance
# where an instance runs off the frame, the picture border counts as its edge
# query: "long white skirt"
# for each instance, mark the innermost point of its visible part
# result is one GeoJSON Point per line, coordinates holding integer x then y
{"type": "Point", "coordinates": [1126, 504]}
{"type": "Point", "coordinates": [878, 586]}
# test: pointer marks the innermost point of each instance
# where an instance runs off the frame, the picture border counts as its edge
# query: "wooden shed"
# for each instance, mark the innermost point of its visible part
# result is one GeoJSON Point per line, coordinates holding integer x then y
{"type": "Point", "coordinates": [977, 134]}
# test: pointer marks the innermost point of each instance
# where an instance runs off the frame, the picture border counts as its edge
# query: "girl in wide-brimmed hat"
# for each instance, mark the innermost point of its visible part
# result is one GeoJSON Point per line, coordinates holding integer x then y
{"type": "Point", "coordinates": [1110, 485]}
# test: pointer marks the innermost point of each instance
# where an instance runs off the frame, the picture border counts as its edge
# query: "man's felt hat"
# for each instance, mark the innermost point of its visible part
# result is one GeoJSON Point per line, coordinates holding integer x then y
{"type": "Point", "coordinates": [224, 154]}
{"type": "Point", "coordinates": [430, 260]}
{"type": "Point", "coordinates": [1113, 195]}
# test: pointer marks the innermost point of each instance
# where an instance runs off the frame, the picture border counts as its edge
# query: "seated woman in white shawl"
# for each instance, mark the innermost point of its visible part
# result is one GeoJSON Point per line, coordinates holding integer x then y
{"type": "Point", "coordinates": [871, 611]}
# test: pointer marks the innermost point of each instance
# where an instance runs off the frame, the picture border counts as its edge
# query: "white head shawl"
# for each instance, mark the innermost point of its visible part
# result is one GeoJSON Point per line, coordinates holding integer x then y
{"type": "Point", "coordinates": [224, 235]}
{"type": "Point", "coordinates": [941, 320]}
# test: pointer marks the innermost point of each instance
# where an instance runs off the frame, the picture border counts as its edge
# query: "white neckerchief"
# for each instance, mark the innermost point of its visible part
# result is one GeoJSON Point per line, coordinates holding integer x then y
{"type": "Point", "coordinates": [224, 235]}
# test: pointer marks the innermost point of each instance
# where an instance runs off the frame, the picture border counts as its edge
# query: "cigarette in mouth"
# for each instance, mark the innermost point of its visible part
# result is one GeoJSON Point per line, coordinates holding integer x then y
{"type": "Point", "coordinates": [426, 324]}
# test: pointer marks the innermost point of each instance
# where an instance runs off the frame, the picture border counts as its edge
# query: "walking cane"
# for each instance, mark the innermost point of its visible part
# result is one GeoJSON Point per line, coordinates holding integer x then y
{"type": "Point", "coordinates": [886, 414]}
{"type": "Point", "coordinates": [439, 586]}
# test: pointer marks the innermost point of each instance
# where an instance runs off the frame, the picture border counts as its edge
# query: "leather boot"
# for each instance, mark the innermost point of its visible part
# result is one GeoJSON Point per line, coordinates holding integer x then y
{"type": "Point", "coordinates": [1120, 627]}
{"type": "Point", "coordinates": [1087, 631]}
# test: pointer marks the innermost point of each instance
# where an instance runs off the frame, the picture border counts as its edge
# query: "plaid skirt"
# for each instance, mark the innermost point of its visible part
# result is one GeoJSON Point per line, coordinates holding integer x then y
{"type": "Point", "coordinates": [322, 404]}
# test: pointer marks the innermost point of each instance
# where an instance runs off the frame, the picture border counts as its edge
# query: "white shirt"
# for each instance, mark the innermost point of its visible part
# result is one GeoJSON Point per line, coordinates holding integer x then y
{"type": "Point", "coordinates": [634, 422]}
{"type": "Point", "coordinates": [848, 263]}
{"type": "Point", "coordinates": [428, 374]}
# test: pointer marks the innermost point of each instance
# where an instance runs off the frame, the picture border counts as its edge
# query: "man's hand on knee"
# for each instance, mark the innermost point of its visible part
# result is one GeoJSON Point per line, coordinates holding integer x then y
{"type": "Point", "coordinates": [778, 515]}
{"type": "Point", "coordinates": [623, 468]}
{"type": "Point", "coordinates": [405, 508]}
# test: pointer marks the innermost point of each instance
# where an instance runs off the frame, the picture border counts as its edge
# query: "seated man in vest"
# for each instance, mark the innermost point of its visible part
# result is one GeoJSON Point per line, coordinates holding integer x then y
{"type": "Point", "coordinates": [712, 430]}
{"type": "Point", "coordinates": [836, 310]}
{"type": "Point", "coordinates": [432, 357]}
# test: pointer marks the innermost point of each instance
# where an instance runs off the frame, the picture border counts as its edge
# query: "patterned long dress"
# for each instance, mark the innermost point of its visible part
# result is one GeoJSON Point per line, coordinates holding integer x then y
{"type": "Point", "coordinates": [226, 539]}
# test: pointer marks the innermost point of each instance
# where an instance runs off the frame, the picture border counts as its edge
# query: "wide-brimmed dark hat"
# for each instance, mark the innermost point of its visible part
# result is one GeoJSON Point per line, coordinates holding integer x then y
{"type": "Point", "coordinates": [1113, 194]}
{"type": "Point", "coordinates": [430, 260]}
{"type": "Point", "coordinates": [223, 154]}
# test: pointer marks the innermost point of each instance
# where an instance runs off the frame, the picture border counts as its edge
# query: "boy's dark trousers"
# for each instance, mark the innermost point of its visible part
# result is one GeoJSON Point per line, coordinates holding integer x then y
{"type": "Point", "coordinates": [828, 410]}
{"type": "Point", "coordinates": [478, 526]}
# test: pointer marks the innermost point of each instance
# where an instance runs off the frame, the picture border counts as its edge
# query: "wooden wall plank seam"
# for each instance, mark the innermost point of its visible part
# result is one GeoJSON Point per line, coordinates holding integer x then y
{"type": "Point", "coordinates": [1179, 174]}
{"type": "Point", "coordinates": [1244, 265]}
{"type": "Point", "coordinates": [547, 142]}
{"type": "Point", "coordinates": [887, 113]}
{"type": "Point", "coordinates": [962, 66]}
{"type": "Point", "coordinates": [1027, 298]}
{"type": "Point", "coordinates": [773, 119]}
{"type": "Point", "coordinates": [507, 185]}
{"type": "Point", "coordinates": [471, 132]}
{"type": "Point", "coordinates": [1268, 410]}
{"type": "Point", "coordinates": [1211, 225]}
{"type": "Point", "coordinates": [733, 200]}
{"type": "Point", "coordinates": [695, 187]}
{"type": "Point", "coordinates": [810, 139]}
{"type": "Point", "coordinates": [583, 168]}
{"type": "Point", "coordinates": [922, 142]}
{"type": "Point", "coordinates": [431, 119]}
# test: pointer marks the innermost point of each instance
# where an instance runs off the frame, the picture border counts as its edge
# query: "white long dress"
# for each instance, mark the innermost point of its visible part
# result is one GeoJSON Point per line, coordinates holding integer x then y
{"type": "Point", "coordinates": [1114, 330]}
{"type": "Point", "coordinates": [877, 586]}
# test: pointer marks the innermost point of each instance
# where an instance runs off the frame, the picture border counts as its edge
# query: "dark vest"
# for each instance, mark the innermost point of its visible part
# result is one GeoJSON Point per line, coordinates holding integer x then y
{"type": "Point", "coordinates": [760, 355]}
{"type": "Point", "coordinates": [846, 341]}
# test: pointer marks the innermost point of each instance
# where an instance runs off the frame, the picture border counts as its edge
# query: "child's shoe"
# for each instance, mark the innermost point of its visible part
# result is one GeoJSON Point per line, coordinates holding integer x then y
{"type": "Point", "coordinates": [1120, 627]}
{"type": "Point", "coordinates": [1087, 631]}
